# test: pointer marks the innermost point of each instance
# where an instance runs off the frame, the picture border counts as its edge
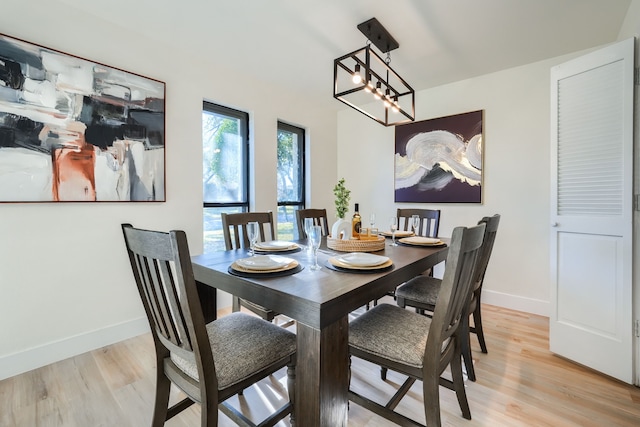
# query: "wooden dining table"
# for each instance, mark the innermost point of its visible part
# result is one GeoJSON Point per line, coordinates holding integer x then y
{"type": "Point", "coordinates": [320, 301]}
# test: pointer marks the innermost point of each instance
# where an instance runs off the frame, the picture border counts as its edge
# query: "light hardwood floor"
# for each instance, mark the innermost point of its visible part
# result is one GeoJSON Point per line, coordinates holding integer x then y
{"type": "Point", "coordinates": [520, 383]}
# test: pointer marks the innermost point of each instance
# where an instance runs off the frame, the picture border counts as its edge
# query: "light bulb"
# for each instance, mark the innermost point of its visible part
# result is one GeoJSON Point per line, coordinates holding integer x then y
{"type": "Point", "coordinates": [357, 78]}
{"type": "Point", "coordinates": [369, 86]}
{"type": "Point", "coordinates": [378, 92]}
{"type": "Point", "coordinates": [394, 106]}
{"type": "Point", "coordinates": [387, 98]}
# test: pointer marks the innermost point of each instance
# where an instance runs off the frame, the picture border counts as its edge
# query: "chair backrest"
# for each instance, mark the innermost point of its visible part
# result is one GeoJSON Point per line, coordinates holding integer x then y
{"type": "Point", "coordinates": [429, 221]}
{"type": "Point", "coordinates": [163, 273]}
{"type": "Point", "coordinates": [234, 227]}
{"type": "Point", "coordinates": [490, 233]}
{"type": "Point", "coordinates": [454, 293]}
{"type": "Point", "coordinates": [319, 217]}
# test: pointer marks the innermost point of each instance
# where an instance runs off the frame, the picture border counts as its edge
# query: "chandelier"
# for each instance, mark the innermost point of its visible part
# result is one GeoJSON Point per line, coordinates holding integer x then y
{"type": "Point", "coordinates": [367, 83]}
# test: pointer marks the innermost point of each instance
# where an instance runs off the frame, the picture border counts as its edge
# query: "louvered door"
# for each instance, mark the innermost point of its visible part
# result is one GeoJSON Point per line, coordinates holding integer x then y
{"type": "Point", "coordinates": [591, 210]}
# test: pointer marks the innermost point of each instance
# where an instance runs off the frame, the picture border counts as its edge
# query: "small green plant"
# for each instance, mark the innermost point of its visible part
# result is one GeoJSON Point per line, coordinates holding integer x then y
{"type": "Point", "coordinates": [342, 198]}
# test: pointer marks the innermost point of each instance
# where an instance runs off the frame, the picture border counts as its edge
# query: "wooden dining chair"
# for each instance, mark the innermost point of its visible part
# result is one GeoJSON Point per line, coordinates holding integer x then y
{"type": "Point", "coordinates": [319, 217]}
{"type": "Point", "coordinates": [234, 228]}
{"type": "Point", "coordinates": [422, 293]}
{"type": "Point", "coordinates": [418, 346]}
{"type": "Point", "coordinates": [429, 227]}
{"type": "Point", "coordinates": [429, 221]}
{"type": "Point", "coordinates": [208, 362]}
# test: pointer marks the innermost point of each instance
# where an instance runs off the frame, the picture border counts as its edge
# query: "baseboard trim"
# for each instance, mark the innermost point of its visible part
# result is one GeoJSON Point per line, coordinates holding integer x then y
{"type": "Point", "coordinates": [514, 302]}
{"type": "Point", "coordinates": [36, 357]}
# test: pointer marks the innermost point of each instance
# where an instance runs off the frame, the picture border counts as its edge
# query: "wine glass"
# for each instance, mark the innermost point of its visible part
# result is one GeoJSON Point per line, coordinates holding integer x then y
{"type": "Point", "coordinates": [252, 234]}
{"type": "Point", "coordinates": [308, 223]}
{"type": "Point", "coordinates": [415, 223]}
{"type": "Point", "coordinates": [393, 223]}
{"type": "Point", "coordinates": [315, 237]}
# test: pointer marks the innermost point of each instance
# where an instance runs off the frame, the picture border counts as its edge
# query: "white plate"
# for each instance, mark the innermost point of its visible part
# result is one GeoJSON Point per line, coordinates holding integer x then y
{"type": "Point", "coordinates": [275, 244]}
{"type": "Point", "coordinates": [419, 240]}
{"type": "Point", "coordinates": [362, 259]}
{"type": "Point", "coordinates": [264, 262]}
{"type": "Point", "coordinates": [399, 233]}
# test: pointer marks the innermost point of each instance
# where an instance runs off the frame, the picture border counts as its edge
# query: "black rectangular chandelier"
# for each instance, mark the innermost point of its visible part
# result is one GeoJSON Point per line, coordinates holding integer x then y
{"type": "Point", "coordinates": [367, 83]}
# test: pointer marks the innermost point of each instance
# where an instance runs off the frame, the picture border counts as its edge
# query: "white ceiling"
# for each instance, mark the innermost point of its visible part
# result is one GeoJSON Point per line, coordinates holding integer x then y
{"type": "Point", "coordinates": [294, 42]}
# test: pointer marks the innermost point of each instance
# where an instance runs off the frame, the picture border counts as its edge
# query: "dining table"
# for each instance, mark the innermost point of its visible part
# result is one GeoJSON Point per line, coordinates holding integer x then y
{"type": "Point", "coordinates": [320, 302]}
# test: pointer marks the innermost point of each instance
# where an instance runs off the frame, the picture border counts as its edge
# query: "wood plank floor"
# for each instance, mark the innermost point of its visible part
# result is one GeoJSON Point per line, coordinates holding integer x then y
{"type": "Point", "coordinates": [520, 383]}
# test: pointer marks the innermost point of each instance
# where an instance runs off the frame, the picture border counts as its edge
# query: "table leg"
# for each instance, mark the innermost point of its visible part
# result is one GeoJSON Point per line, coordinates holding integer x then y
{"type": "Point", "coordinates": [322, 375]}
{"type": "Point", "coordinates": [208, 301]}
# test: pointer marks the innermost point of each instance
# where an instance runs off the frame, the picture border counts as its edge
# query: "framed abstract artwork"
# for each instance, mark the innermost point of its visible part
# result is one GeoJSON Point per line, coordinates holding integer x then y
{"type": "Point", "coordinates": [440, 160]}
{"type": "Point", "coordinates": [72, 130]}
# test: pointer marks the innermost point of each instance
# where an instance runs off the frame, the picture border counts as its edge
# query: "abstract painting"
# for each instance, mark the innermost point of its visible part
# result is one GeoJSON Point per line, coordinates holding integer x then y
{"type": "Point", "coordinates": [440, 160]}
{"type": "Point", "coordinates": [72, 130]}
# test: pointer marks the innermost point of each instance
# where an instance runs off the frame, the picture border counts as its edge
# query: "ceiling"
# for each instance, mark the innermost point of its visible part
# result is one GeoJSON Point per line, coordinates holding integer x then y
{"type": "Point", "coordinates": [293, 43]}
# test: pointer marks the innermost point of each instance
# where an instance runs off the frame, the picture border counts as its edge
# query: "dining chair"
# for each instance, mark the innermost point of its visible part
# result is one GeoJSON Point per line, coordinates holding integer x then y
{"type": "Point", "coordinates": [319, 217]}
{"type": "Point", "coordinates": [429, 221]}
{"type": "Point", "coordinates": [418, 346]}
{"type": "Point", "coordinates": [429, 227]}
{"type": "Point", "coordinates": [208, 362]}
{"type": "Point", "coordinates": [234, 228]}
{"type": "Point", "coordinates": [422, 293]}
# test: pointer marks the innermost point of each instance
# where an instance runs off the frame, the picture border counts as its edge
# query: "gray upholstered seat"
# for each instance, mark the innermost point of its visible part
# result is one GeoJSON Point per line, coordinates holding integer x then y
{"type": "Point", "coordinates": [399, 334]}
{"type": "Point", "coordinates": [241, 344]}
{"type": "Point", "coordinates": [420, 289]}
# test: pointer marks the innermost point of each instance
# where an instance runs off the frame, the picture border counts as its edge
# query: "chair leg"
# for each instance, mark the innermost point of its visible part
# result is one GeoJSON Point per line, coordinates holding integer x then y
{"type": "Point", "coordinates": [466, 349]}
{"type": "Point", "coordinates": [161, 404]}
{"type": "Point", "coordinates": [235, 304]}
{"type": "Point", "coordinates": [209, 414]}
{"type": "Point", "coordinates": [458, 384]}
{"type": "Point", "coordinates": [383, 373]}
{"type": "Point", "coordinates": [431, 396]}
{"type": "Point", "coordinates": [477, 327]}
{"type": "Point", "coordinates": [291, 388]}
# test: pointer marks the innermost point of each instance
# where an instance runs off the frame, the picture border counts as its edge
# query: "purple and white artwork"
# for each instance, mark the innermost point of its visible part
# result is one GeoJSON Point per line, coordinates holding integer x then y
{"type": "Point", "coordinates": [72, 130]}
{"type": "Point", "coordinates": [440, 160]}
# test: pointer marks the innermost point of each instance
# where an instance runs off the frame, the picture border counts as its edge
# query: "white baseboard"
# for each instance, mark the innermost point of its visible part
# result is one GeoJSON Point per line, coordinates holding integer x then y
{"type": "Point", "coordinates": [36, 357]}
{"type": "Point", "coordinates": [514, 302]}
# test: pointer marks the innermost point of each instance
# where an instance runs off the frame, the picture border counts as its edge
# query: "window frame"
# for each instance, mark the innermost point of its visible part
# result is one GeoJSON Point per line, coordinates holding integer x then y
{"type": "Point", "coordinates": [301, 147]}
{"type": "Point", "coordinates": [301, 155]}
{"type": "Point", "coordinates": [243, 117]}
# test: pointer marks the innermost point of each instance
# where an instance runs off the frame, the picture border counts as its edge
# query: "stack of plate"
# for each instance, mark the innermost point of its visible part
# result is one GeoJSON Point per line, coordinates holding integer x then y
{"type": "Point", "coordinates": [399, 233]}
{"type": "Point", "coordinates": [361, 261]}
{"type": "Point", "coordinates": [264, 264]}
{"type": "Point", "coordinates": [276, 246]}
{"type": "Point", "coordinates": [422, 241]}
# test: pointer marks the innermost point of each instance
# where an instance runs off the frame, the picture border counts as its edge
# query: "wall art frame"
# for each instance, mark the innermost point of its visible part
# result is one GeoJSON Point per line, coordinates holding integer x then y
{"type": "Point", "coordinates": [440, 160]}
{"type": "Point", "coordinates": [74, 130]}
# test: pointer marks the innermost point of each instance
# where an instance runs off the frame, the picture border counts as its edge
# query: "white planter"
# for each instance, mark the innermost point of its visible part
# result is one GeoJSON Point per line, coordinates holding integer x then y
{"type": "Point", "coordinates": [341, 227]}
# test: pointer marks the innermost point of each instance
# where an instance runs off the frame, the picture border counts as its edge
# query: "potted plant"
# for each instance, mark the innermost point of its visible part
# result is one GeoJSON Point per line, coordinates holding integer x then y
{"type": "Point", "coordinates": [342, 226]}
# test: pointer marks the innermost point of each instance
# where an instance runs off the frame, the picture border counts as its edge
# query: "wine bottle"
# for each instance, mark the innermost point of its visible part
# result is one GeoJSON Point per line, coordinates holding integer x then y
{"type": "Point", "coordinates": [356, 223]}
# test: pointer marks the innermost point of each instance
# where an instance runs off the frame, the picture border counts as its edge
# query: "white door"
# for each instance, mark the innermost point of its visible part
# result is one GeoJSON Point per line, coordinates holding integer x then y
{"type": "Point", "coordinates": [592, 210]}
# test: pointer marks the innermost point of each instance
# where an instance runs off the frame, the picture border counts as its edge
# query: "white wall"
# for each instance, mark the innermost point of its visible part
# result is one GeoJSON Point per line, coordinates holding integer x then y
{"type": "Point", "coordinates": [65, 283]}
{"type": "Point", "coordinates": [516, 104]}
{"type": "Point", "coordinates": [516, 174]}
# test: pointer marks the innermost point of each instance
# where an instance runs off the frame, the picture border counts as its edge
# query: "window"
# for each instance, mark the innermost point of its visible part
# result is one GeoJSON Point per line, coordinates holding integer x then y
{"type": "Point", "coordinates": [291, 181]}
{"type": "Point", "coordinates": [225, 170]}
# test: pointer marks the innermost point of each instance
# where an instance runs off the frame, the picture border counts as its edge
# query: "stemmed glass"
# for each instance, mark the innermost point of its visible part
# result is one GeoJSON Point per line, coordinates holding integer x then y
{"type": "Point", "coordinates": [308, 223]}
{"type": "Point", "coordinates": [415, 223]}
{"type": "Point", "coordinates": [252, 234]}
{"type": "Point", "coordinates": [393, 223]}
{"type": "Point", "coordinates": [315, 237]}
